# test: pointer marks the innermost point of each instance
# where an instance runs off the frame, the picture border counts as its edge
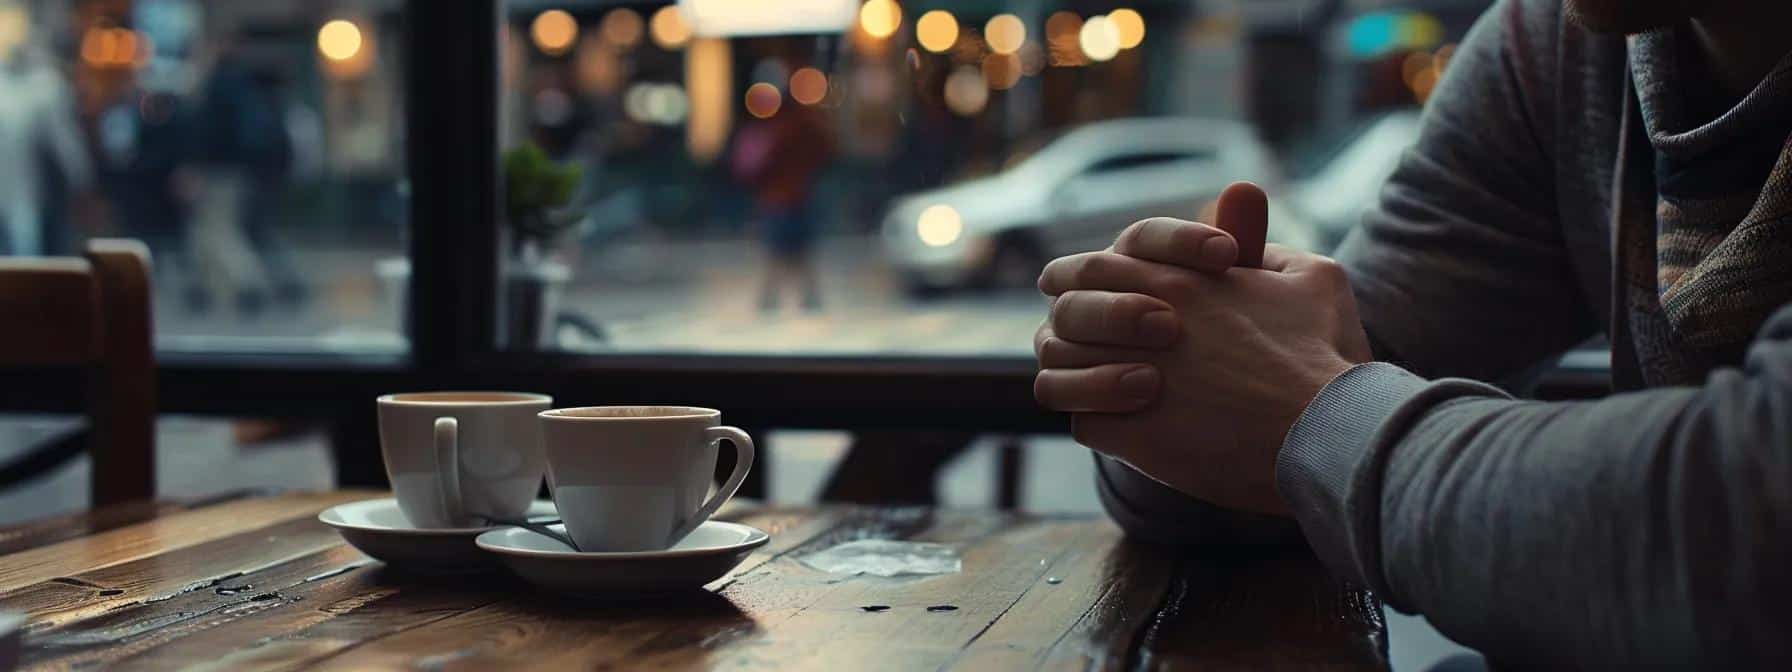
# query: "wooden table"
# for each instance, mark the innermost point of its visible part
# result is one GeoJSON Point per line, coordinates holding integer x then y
{"type": "Point", "coordinates": [258, 583]}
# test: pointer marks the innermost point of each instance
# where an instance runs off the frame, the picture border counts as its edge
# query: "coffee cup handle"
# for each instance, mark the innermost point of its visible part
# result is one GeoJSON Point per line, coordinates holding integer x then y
{"type": "Point", "coordinates": [448, 466]}
{"type": "Point", "coordinates": [743, 462]}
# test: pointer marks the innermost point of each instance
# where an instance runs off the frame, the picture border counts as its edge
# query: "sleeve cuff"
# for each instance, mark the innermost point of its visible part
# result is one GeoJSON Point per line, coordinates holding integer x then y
{"type": "Point", "coordinates": [1330, 466]}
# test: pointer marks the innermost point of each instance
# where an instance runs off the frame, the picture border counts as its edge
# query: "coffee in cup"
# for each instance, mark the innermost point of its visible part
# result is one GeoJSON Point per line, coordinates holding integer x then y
{"type": "Point", "coordinates": [637, 478]}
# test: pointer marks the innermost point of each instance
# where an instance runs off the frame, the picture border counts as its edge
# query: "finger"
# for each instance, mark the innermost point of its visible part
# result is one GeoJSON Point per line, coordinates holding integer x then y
{"type": "Point", "coordinates": [1113, 272]}
{"type": "Point", "coordinates": [1113, 388]}
{"type": "Point", "coordinates": [1178, 242]}
{"type": "Point", "coordinates": [1041, 335]}
{"type": "Point", "coordinates": [1243, 211]}
{"type": "Point", "coordinates": [1112, 318]}
{"type": "Point", "coordinates": [1058, 353]}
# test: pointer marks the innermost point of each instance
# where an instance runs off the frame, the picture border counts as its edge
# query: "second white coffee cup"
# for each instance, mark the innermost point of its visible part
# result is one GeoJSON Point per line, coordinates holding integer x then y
{"type": "Point", "coordinates": [636, 478]}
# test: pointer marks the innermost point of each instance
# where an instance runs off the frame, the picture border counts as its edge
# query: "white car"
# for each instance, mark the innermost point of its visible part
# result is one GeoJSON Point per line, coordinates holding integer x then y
{"type": "Point", "coordinates": [1074, 195]}
{"type": "Point", "coordinates": [1348, 181]}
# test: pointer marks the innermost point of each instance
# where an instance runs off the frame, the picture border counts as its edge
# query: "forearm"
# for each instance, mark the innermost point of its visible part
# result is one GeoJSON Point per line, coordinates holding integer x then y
{"type": "Point", "coordinates": [1650, 527]}
{"type": "Point", "coordinates": [1156, 513]}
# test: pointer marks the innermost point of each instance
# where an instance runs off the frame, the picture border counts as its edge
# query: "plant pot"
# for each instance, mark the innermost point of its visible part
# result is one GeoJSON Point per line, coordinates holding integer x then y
{"type": "Point", "coordinates": [532, 292]}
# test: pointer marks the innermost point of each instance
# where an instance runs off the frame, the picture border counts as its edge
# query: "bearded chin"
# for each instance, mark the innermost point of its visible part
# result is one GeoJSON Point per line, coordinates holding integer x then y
{"type": "Point", "coordinates": [1627, 16]}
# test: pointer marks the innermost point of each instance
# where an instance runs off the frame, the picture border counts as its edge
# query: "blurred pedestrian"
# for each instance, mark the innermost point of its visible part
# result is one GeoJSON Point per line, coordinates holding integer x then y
{"type": "Point", "coordinates": [779, 159]}
{"type": "Point", "coordinates": [37, 133]}
{"type": "Point", "coordinates": [241, 155]}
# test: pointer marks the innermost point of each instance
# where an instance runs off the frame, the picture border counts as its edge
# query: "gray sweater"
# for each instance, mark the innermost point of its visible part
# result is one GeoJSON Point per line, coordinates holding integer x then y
{"type": "Point", "coordinates": [1653, 526]}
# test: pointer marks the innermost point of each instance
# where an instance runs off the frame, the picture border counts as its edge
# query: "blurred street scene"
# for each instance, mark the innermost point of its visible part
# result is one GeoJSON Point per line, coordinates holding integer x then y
{"type": "Point", "coordinates": [886, 181]}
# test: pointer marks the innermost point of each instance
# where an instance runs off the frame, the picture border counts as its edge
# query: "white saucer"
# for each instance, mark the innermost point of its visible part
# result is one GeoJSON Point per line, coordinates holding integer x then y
{"type": "Point", "coordinates": [379, 529]}
{"type": "Point", "coordinates": [704, 556]}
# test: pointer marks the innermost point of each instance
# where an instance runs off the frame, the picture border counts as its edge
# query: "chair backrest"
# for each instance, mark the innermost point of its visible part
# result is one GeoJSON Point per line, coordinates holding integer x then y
{"type": "Point", "coordinates": [92, 313]}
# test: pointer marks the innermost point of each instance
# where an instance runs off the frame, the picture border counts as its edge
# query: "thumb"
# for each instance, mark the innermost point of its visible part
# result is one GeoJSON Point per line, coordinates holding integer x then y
{"type": "Point", "coordinates": [1243, 211]}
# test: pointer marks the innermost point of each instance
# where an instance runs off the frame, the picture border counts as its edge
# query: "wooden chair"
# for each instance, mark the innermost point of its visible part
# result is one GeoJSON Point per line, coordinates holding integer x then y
{"type": "Point", "coordinates": [92, 314]}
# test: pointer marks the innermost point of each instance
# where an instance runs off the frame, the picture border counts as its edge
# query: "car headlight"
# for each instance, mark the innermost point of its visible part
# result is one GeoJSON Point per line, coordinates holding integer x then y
{"type": "Point", "coordinates": [939, 226]}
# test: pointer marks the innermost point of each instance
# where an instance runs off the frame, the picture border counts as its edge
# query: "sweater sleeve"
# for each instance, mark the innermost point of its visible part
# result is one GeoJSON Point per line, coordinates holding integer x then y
{"type": "Point", "coordinates": [1652, 527]}
{"type": "Point", "coordinates": [1460, 269]}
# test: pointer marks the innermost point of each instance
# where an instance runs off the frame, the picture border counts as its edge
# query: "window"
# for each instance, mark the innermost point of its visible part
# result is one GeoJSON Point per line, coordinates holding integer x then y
{"type": "Point", "coordinates": [890, 184]}
{"type": "Point", "coordinates": [255, 147]}
{"type": "Point", "coordinates": [1128, 162]}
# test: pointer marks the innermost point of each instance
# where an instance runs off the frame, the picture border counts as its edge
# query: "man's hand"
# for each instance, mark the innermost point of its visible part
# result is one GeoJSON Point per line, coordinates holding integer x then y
{"type": "Point", "coordinates": [1251, 347]}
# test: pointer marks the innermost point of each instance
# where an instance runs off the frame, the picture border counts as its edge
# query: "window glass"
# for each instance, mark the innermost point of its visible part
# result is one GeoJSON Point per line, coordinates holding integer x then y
{"type": "Point", "coordinates": [887, 177]}
{"type": "Point", "coordinates": [254, 147]}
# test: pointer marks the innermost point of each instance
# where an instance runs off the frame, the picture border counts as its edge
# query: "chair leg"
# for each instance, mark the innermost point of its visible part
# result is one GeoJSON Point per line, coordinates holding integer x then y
{"type": "Point", "coordinates": [1010, 465]}
{"type": "Point", "coordinates": [894, 466]}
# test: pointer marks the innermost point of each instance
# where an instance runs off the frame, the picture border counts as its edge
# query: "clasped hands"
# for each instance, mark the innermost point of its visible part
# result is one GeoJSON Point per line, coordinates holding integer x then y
{"type": "Point", "coordinates": [1188, 350]}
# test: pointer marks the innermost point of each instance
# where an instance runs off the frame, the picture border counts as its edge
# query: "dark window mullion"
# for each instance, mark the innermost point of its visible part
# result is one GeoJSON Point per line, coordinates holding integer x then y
{"type": "Point", "coordinates": [451, 62]}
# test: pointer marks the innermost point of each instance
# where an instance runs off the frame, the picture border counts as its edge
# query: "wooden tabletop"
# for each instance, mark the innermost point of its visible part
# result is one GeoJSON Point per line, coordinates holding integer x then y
{"type": "Point", "coordinates": [258, 583]}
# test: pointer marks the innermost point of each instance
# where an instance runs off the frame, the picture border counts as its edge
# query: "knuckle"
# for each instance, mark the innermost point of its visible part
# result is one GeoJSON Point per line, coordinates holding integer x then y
{"type": "Point", "coordinates": [1055, 269]}
{"type": "Point", "coordinates": [1094, 268]}
{"type": "Point", "coordinates": [1044, 391]}
{"type": "Point", "coordinates": [1330, 272]}
{"type": "Point", "coordinates": [1054, 351]}
{"type": "Point", "coordinates": [1129, 236]}
{"type": "Point", "coordinates": [1064, 310]}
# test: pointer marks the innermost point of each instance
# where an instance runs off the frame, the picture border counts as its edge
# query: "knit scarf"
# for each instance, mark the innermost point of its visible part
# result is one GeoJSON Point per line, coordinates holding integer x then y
{"type": "Point", "coordinates": [1705, 266]}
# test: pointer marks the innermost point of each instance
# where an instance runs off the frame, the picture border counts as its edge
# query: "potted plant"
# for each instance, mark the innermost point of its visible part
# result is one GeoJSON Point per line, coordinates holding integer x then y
{"type": "Point", "coordinates": [537, 196]}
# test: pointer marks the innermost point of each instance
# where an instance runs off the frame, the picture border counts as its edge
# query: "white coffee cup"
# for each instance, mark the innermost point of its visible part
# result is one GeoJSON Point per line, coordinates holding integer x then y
{"type": "Point", "coordinates": [635, 478]}
{"type": "Point", "coordinates": [457, 459]}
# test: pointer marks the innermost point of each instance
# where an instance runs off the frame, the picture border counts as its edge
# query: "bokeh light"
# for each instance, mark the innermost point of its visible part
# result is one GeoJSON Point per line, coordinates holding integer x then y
{"type": "Point", "coordinates": [622, 27]}
{"type": "Point", "coordinates": [966, 91]}
{"type": "Point", "coordinates": [598, 68]}
{"type": "Point", "coordinates": [338, 40]}
{"type": "Point", "coordinates": [808, 86]}
{"type": "Point", "coordinates": [651, 103]}
{"type": "Point", "coordinates": [1413, 64]}
{"type": "Point", "coordinates": [1099, 39]}
{"type": "Point", "coordinates": [709, 87]}
{"type": "Point", "coordinates": [1423, 83]}
{"type": "Point", "coordinates": [1063, 26]}
{"type": "Point", "coordinates": [669, 29]}
{"type": "Point", "coordinates": [937, 31]}
{"type": "Point", "coordinates": [1063, 39]}
{"type": "Point", "coordinates": [1131, 26]}
{"type": "Point", "coordinates": [1005, 33]}
{"type": "Point", "coordinates": [14, 24]}
{"type": "Point", "coordinates": [1032, 58]}
{"type": "Point", "coordinates": [939, 226]}
{"type": "Point", "coordinates": [763, 100]}
{"type": "Point", "coordinates": [880, 18]}
{"type": "Point", "coordinates": [1002, 71]}
{"type": "Point", "coordinates": [553, 31]}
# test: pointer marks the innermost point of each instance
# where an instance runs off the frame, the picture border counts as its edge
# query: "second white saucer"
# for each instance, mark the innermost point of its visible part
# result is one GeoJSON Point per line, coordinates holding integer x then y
{"type": "Point", "coordinates": [707, 554]}
{"type": "Point", "coordinates": [379, 529]}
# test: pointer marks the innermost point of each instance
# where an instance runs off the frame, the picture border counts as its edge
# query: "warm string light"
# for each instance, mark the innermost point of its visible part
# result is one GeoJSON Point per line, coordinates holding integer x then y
{"type": "Point", "coordinates": [937, 31]}
{"type": "Point", "coordinates": [669, 29]}
{"type": "Point", "coordinates": [554, 32]}
{"type": "Point", "coordinates": [880, 18]}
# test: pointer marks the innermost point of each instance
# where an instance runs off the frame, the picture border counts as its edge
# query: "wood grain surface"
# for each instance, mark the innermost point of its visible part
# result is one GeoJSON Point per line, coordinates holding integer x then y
{"type": "Point", "coordinates": [259, 584]}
